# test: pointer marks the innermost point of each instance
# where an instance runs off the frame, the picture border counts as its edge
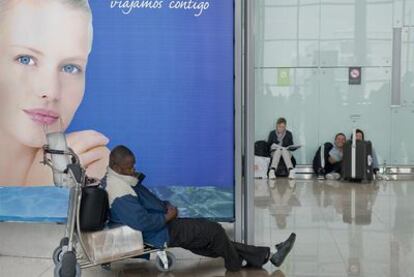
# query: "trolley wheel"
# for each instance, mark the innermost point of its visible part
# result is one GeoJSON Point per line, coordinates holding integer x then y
{"type": "Point", "coordinates": [57, 255]}
{"type": "Point", "coordinates": [68, 267]}
{"type": "Point", "coordinates": [171, 262]}
{"type": "Point", "coordinates": [58, 268]}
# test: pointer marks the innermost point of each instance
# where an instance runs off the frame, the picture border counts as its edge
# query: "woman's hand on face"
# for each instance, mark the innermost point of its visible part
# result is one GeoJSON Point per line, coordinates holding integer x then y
{"type": "Point", "coordinates": [91, 148]}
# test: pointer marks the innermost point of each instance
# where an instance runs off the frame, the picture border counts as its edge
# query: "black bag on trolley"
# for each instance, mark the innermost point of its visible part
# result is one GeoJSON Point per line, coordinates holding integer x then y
{"type": "Point", "coordinates": [357, 160]}
{"type": "Point", "coordinates": [94, 208]}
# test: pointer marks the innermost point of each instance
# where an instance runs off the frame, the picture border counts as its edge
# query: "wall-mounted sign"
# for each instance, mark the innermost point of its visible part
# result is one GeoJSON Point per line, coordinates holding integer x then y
{"type": "Point", "coordinates": [354, 75]}
{"type": "Point", "coordinates": [283, 77]}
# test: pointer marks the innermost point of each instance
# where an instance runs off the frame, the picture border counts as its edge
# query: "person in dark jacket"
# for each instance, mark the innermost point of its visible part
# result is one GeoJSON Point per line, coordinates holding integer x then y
{"type": "Point", "coordinates": [278, 140]}
{"type": "Point", "coordinates": [327, 162]}
{"type": "Point", "coordinates": [134, 205]}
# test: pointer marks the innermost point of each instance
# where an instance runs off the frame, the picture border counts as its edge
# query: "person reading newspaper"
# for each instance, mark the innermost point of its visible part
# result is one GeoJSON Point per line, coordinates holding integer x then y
{"type": "Point", "coordinates": [281, 145]}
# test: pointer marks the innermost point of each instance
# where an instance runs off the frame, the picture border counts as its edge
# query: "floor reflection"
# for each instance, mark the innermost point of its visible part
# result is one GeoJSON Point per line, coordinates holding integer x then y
{"type": "Point", "coordinates": [283, 199]}
{"type": "Point", "coordinates": [344, 229]}
{"type": "Point", "coordinates": [353, 201]}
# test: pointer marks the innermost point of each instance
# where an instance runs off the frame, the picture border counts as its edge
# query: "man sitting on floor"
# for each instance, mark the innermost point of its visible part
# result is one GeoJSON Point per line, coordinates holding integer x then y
{"type": "Point", "coordinates": [334, 165]}
{"type": "Point", "coordinates": [134, 205]}
{"type": "Point", "coordinates": [327, 162]}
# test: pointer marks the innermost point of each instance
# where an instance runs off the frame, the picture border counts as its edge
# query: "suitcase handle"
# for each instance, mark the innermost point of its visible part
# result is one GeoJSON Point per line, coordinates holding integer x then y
{"type": "Point", "coordinates": [353, 154]}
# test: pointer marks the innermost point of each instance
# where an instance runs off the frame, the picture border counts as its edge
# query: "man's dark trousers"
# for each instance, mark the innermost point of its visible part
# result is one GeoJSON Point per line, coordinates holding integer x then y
{"type": "Point", "coordinates": [207, 238]}
{"type": "Point", "coordinates": [336, 167]}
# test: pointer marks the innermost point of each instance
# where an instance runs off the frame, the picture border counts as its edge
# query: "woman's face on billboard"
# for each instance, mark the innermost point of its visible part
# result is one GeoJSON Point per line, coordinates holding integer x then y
{"type": "Point", "coordinates": [44, 47]}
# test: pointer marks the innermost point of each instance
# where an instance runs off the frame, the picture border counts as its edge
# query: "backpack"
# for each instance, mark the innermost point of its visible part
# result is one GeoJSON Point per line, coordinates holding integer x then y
{"type": "Point", "coordinates": [261, 148]}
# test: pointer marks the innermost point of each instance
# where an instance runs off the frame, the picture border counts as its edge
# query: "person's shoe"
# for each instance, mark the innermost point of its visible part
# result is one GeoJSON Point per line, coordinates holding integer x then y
{"type": "Point", "coordinates": [290, 239]}
{"type": "Point", "coordinates": [283, 250]}
{"type": "Point", "coordinates": [333, 176]}
{"type": "Point", "coordinates": [321, 177]}
{"type": "Point", "coordinates": [272, 174]}
{"type": "Point", "coordinates": [380, 177]}
{"type": "Point", "coordinates": [292, 173]}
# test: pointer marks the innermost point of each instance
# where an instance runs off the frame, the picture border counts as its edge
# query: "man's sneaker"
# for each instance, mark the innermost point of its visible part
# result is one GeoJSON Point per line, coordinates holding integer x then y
{"type": "Point", "coordinates": [283, 250]}
{"type": "Point", "coordinates": [272, 174]}
{"type": "Point", "coordinates": [321, 177]}
{"type": "Point", "coordinates": [333, 176]}
{"type": "Point", "coordinates": [292, 173]}
{"type": "Point", "coordinates": [380, 176]}
{"type": "Point", "coordinates": [291, 239]}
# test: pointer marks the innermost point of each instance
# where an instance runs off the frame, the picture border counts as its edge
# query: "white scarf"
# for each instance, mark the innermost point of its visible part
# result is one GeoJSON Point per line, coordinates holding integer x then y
{"type": "Point", "coordinates": [118, 185]}
{"type": "Point", "coordinates": [280, 136]}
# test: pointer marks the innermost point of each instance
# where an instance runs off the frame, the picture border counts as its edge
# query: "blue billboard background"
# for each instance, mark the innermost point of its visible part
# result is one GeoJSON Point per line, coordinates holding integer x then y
{"type": "Point", "coordinates": [160, 81]}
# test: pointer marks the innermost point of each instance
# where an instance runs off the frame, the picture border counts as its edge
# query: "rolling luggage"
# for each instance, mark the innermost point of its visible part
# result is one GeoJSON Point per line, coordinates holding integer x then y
{"type": "Point", "coordinates": [357, 161]}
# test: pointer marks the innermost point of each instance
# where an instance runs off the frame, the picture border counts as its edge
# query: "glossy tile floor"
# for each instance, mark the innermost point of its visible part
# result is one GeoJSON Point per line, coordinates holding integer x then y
{"type": "Point", "coordinates": [342, 230]}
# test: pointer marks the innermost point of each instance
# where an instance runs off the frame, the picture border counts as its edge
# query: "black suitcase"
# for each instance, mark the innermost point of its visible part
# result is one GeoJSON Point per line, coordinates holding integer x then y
{"type": "Point", "coordinates": [357, 161]}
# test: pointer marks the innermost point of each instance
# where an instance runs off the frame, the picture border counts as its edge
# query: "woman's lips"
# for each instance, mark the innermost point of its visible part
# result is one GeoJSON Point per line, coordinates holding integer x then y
{"type": "Point", "coordinates": [42, 116]}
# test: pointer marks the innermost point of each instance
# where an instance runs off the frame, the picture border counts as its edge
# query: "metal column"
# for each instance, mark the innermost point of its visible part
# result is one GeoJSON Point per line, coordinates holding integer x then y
{"type": "Point", "coordinates": [248, 124]}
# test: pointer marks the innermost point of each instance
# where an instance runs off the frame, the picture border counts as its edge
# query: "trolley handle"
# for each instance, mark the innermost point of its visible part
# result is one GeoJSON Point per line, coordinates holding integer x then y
{"type": "Point", "coordinates": [47, 161]}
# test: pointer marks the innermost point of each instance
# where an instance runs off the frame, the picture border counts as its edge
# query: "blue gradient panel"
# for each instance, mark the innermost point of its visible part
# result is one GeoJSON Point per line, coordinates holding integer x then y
{"type": "Point", "coordinates": [161, 82]}
{"type": "Point", "coordinates": [50, 204]}
{"type": "Point", "coordinates": [34, 204]}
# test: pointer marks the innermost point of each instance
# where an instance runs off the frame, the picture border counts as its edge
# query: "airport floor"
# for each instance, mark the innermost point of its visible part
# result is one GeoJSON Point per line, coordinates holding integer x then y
{"type": "Point", "coordinates": [342, 229]}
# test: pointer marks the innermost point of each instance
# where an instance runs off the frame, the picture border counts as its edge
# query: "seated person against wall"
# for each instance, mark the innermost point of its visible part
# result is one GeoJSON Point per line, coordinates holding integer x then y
{"type": "Point", "coordinates": [134, 205]}
{"type": "Point", "coordinates": [334, 164]}
{"type": "Point", "coordinates": [359, 135]}
{"type": "Point", "coordinates": [278, 140]}
{"type": "Point", "coordinates": [333, 153]}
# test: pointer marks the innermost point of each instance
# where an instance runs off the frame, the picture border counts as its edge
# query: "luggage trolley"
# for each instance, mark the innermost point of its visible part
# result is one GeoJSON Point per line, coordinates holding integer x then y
{"type": "Point", "coordinates": [79, 249]}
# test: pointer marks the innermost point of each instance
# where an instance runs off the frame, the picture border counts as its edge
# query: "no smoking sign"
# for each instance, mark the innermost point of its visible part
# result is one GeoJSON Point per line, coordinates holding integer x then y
{"type": "Point", "coordinates": [354, 75]}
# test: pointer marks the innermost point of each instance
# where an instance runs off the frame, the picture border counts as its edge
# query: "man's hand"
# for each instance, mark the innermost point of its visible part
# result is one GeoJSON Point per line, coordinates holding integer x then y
{"type": "Point", "coordinates": [331, 160]}
{"type": "Point", "coordinates": [168, 205]}
{"type": "Point", "coordinates": [171, 214]}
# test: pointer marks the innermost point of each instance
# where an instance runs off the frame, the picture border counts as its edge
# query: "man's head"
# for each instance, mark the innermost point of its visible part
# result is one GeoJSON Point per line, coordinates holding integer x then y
{"type": "Point", "coordinates": [340, 139]}
{"type": "Point", "coordinates": [359, 134]}
{"type": "Point", "coordinates": [122, 161]}
{"type": "Point", "coordinates": [281, 125]}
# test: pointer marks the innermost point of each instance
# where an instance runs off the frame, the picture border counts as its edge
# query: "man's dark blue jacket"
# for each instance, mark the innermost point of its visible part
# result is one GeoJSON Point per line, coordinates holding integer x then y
{"type": "Point", "coordinates": [137, 207]}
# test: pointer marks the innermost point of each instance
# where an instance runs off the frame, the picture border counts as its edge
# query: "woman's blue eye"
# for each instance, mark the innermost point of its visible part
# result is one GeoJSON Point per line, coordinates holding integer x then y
{"type": "Point", "coordinates": [26, 60]}
{"type": "Point", "coordinates": [71, 69]}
